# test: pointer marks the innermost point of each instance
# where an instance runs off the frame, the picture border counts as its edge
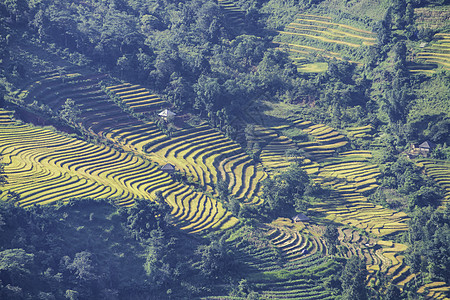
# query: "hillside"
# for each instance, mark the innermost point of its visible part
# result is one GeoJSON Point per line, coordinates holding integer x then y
{"type": "Point", "coordinates": [174, 145]}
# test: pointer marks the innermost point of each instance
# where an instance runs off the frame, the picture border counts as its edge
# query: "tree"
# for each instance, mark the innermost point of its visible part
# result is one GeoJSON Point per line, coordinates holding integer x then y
{"type": "Point", "coordinates": [70, 112]}
{"type": "Point", "coordinates": [179, 92]}
{"type": "Point", "coordinates": [222, 189]}
{"type": "Point", "coordinates": [82, 267]}
{"type": "Point", "coordinates": [247, 51]}
{"type": "Point", "coordinates": [160, 258]}
{"type": "Point", "coordinates": [331, 236]}
{"type": "Point", "coordinates": [72, 295]}
{"type": "Point", "coordinates": [397, 102]}
{"type": "Point", "coordinates": [15, 265]}
{"type": "Point", "coordinates": [409, 15]}
{"type": "Point", "coordinates": [17, 9]}
{"type": "Point", "coordinates": [384, 28]}
{"type": "Point", "coordinates": [216, 260]}
{"type": "Point", "coordinates": [150, 23]}
{"type": "Point", "coordinates": [400, 54]}
{"type": "Point", "coordinates": [353, 280]}
{"type": "Point", "coordinates": [208, 91]}
{"type": "Point", "coordinates": [284, 193]}
{"type": "Point", "coordinates": [399, 9]}
{"type": "Point", "coordinates": [208, 21]}
{"type": "Point", "coordinates": [297, 155]}
{"type": "Point", "coordinates": [424, 196]}
{"type": "Point", "coordinates": [429, 239]}
{"type": "Point", "coordinates": [144, 217]}
{"type": "Point", "coordinates": [3, 176]}
{"type": "Point", "coordinates": [393, 293]}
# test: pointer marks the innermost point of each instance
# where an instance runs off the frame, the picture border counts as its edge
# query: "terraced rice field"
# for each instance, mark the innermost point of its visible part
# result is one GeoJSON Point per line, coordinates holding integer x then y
{"type": "Point", "coordinates": [278, 246]}
{"type": "Point", "coordinates": [362, 155]}
{"type": "Point", "coordinates": [207, 155]}
{"type": "Point", "coordinates": [438, 52]}
{"type": "Point", "coordinates": [233, 13]}
{"type": "Point", "coordinates": [297, 246]}
{"type": "Point", "coordinates": [99, 114]}
{"type": "Point", "coordinates": [435, 290]}
{"type": "Point", "coordinates": [362, 176]}
{"type": "Point", "coordinates": [6, 117]}
{"type": "Point", "coordinates": [362, 132]}
{"type": "Point", "coordinates": [274, 151]}
{"type": "Point", "coordinates": [432, 17]}
{"type": "Point", "coordinates": [346, 206]}
{"type": "Point", "coordinates": [321, 159]}
{"type": "Point", "coordinates": [43, 167]}
{"type": "Point", "coordinates": [439, 171]}
{"type": "Point", "coordinates": [348, 175]}
{"type": "Point", "coordinates": [327, 139]}
{"type": "Point", "coordinates": [351, 166]}
{"type": "Point", "coordinates": [200, 152]}
{"type": "Point", "coordinates": [379, 255]}
{"type": "Point", "coordinates": [137, 98]}
{"type": "Point", "coordinates": [319, 34]}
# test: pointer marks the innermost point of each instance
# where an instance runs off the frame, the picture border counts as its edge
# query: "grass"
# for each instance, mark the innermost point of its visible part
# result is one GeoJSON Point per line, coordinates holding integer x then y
{"type": "Point", "coordinates": [320, 38]}
{"type": "Point", "coordinates": [313, 68]}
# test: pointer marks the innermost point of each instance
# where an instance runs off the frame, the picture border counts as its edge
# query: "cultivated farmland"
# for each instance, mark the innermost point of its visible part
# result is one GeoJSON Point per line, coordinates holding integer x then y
{"type": "Point", "coordinates": [44, 167]}
{"type": "Point", "coordinates": [319, 35]}
{"type": "Point", "coordinates": [437, 53]}
{"type": "Point", "coordinates": [234, 14]}
{"type": "Point", "coordinates": [137, 98]}
{"type": "Point", "coordinates": [224, 150]}
{"type": "Point", "coordinates": [439, 171]}
{"type": "Point", "coordinates": [200, 152]}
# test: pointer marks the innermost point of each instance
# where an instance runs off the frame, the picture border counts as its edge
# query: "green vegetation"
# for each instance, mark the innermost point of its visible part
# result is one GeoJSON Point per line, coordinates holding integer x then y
{"type": "Point", "coordinates": [306, 158]}
{"type": "Point", "coordinates": [307, 30]}
{"type": "Point", "coordinates": [93, 249]}
{"type": "Point", "coordinates": [428, 237]}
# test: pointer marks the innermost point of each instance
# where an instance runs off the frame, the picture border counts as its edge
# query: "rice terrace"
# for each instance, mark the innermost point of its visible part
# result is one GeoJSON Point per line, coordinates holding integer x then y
{"type": "Point", "coordinates": [225, 149]}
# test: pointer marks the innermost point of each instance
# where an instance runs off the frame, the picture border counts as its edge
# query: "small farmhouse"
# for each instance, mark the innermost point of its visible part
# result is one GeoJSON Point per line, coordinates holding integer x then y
{"type": "Point", "coordinates": [167, 114]}
{"type": "Point", "coordinates": [168, 168]}
{"type": "Point", "coordinates": [427, 146]}
{"type": "Point", "coordinates": [423, 149]}
{"type": "Point", "coordinates": [300, 218]}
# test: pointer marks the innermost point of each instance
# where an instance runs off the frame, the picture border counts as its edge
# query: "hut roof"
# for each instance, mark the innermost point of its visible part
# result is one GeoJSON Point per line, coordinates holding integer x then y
{"type": "Point", "coordinates": [301, 217]}
{"type": "Point", "coordinates": [167, 113]}
{"type": "Point", "coordinates": [168, 167]}
{"type": "Point", "coordinates": [428, 145]}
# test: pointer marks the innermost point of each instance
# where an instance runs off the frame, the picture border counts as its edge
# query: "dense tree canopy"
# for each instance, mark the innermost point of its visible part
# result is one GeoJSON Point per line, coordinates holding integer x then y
{"type": "Point", "coordinates": [284, 194]}
{"type": "Point", "coordinates": [429, 237]}
{"type": "Point", "coordinates": [86, 248]}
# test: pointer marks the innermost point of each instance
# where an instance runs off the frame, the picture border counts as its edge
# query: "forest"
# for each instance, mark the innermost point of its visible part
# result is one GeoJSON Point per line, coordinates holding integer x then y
{"type": "Point", "coordinates": [308, 149]}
